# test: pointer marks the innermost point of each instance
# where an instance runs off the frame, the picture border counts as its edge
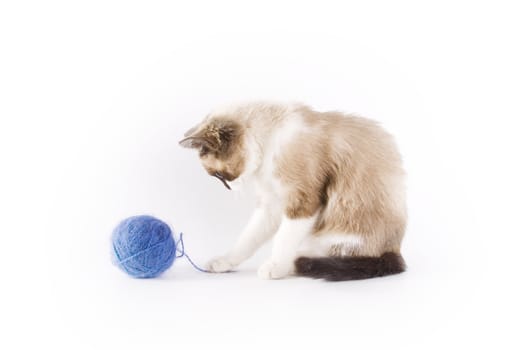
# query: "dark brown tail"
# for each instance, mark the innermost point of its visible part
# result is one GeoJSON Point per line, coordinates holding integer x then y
{"type": "Point", "coordinates": [350, 268]}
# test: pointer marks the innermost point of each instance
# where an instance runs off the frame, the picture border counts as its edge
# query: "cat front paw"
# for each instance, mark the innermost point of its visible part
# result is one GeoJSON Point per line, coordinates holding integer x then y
{"type": "Point", "coordinates": [219, 264]}
{"type": "Point", "coordinates": [274, 270]}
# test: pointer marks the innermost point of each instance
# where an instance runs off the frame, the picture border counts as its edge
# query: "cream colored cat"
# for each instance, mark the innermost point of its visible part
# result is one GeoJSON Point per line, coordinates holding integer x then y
{"type": "Point", "coordinates": [330, 189]}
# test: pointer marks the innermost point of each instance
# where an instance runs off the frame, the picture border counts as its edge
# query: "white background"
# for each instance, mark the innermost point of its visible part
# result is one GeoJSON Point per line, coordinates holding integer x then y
{"type": "Point", "coordinates": [94, 97]}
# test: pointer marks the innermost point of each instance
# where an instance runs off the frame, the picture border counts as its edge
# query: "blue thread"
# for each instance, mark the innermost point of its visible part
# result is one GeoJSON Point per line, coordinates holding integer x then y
{"type": "Point", "coordinates": [143, 247]}
{"type": "Point", "coordinates": [182, 253]}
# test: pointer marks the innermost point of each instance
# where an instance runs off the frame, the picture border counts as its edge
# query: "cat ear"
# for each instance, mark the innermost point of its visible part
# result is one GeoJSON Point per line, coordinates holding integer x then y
{"type": "Point", "coordinates": [199, 142]}
{"type": "Point", "coordinates": [226, 133]}
{"type": "Point", "coordinates": [194, 139]}
{"type": "Point", "coordinates": [214, 136]}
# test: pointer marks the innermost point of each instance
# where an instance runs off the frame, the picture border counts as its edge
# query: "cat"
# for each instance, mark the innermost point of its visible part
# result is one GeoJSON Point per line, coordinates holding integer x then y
{"type": "Point", "coordinates": [330, 189]}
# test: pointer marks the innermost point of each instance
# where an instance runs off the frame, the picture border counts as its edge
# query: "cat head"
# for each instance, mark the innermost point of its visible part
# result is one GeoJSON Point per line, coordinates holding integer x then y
{"type": "Point", "coordinates": [221, 143]}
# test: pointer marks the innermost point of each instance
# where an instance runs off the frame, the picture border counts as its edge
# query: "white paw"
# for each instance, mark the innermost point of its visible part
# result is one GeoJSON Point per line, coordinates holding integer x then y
{"type": "Point", "coordinates": [219, 264]}
{"type": "Point", "coordinates": [273, 270]}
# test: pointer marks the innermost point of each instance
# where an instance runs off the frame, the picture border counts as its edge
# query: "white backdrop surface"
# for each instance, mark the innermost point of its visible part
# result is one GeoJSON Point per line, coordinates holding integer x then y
{"type": "Point", "coordinates": [95, 97]}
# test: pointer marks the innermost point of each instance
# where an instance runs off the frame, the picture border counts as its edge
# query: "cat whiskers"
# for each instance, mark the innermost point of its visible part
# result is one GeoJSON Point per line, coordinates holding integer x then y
{"type": "Point", "coordinates": [220, 177]}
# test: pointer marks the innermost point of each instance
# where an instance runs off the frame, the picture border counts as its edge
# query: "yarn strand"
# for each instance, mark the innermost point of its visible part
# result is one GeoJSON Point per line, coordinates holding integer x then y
{"type": "Point", "coordinates": [182, 253]}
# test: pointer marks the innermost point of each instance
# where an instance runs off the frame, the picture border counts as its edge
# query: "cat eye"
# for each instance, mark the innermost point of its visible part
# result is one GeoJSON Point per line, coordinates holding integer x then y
{"type": "Point", "coordinates": [223, 180]}
{"type": "Point", "coordinates": [204, 151]}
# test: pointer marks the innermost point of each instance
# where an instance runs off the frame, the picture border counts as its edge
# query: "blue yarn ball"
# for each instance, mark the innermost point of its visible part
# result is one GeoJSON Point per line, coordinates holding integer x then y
{"type": "Point", "coordinates": [143, 246]}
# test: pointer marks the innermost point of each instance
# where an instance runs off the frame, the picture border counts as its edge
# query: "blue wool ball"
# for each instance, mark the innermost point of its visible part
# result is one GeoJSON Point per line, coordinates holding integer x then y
{"type": "Point", "coordinates": [143, 246]}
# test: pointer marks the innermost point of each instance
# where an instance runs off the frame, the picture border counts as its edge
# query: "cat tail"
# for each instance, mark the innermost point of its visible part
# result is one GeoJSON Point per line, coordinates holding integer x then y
{"type": "Point", "coordinates": [350, 268]}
